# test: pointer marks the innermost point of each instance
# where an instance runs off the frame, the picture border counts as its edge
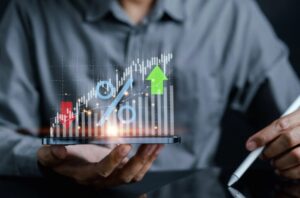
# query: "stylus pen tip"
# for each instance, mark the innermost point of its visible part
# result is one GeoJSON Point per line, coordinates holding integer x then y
{"type": "Point", "coordinates": [232, 180]}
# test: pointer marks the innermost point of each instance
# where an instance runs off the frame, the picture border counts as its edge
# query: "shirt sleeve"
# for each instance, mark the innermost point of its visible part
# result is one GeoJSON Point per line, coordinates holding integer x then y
{"type": "Point", "coordinates": [19, 98]}
{"type": "Point", "coordinates": [263, 58]}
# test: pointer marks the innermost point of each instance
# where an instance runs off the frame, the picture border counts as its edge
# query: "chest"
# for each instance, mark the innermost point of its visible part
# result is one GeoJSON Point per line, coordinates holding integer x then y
{"type": "Point", "coordinates": [81, 56]}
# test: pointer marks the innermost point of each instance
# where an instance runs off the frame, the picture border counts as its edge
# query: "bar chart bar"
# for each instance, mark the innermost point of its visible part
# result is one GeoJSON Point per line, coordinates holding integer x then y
{"type": "Point", "coordinates": [82, 124]}
{"type": "Point", "coordinates": [146, 127]}
{"type": "Point", "coordinates": [126, 123]}
{"type": "Point", "coordinates": [77, 125]}
{"type": "Point", "coordinates": [115, 123]}
{"type": "Point", "coordinates": [172, 110]}
{"type": "Point", "coordinates": [51, 132]}
{"type": "Point", "coordinates": [152, 128]}
{"type": "Point", "coordinates": [166, 112]}
{"type": "Point", "coordinates": [103, 127]}
{"type": "Point", "coordinates": [70, 133]}
{"type": "Point", "coordinates": [121, 127]}
{"type": "Point", "coordinates": [134, 121]}
{"type": "Point", "coordinates": [159, 125]}
{"type": "Point", "coordinates": [89, 124]}
{"type": "Point", "coordinates": [140, 120]}
{"type": "Point", "coordinates": [57, 130]}
{"type": "Point", "coordinates": [95, 125]}
{"type": "Point", "coordinates": [64, 127]}
{"type": "Point", "coordinates": [99, 128]}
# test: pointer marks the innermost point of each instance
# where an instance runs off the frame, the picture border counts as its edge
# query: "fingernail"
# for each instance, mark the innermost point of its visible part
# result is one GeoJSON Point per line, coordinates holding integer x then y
{"type": "Point", "coordinates": [124, 150]}
{"type": "Point", "coordinates": [251, 145]}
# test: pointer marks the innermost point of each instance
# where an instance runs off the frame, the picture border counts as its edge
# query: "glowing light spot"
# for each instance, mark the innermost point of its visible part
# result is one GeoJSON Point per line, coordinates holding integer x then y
{"type": "Point", "coordinates": [112, 130]}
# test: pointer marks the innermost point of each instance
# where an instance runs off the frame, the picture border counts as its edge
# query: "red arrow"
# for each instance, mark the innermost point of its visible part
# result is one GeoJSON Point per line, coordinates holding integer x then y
{"type": "Point", "coordinates": [66, 116]}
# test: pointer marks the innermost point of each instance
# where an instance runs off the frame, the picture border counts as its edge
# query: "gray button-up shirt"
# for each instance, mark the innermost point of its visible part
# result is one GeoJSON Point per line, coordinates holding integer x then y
{"type": "Point", "coordinates": [51, 47]}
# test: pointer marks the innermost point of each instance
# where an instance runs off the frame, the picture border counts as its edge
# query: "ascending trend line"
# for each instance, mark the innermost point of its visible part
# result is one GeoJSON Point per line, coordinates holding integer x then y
{"type": "Point", "coordinates": [115, 102]}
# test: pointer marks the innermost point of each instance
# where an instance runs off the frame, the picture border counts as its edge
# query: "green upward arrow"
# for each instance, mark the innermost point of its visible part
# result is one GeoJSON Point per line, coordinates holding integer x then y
{"type": "Point", "coordinates": [157, 78]}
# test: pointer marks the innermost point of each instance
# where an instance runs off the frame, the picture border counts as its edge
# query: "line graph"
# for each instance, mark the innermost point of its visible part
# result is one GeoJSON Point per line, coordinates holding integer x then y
{"type": "Point", "coordinates": [136, 108]}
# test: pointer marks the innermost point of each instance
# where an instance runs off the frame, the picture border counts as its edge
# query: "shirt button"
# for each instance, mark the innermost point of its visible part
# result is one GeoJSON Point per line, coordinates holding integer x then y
{"type": "Point", "coordinates": [137, 30]}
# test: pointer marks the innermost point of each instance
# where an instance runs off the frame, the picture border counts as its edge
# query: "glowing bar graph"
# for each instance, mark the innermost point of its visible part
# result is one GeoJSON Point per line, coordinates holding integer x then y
{"type": "Point", "coordinates": [154, 114]}
{"type": "Point", "coordinates": [155, 117]}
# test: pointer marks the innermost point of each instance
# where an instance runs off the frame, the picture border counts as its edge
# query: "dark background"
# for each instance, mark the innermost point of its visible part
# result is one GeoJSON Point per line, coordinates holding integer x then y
{"type": "Point", "coordinates": [284, 15]}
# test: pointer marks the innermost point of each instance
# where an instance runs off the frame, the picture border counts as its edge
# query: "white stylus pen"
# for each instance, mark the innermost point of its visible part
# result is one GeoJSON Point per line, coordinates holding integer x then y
{"type": "Point", "coordinates": [254, 154]}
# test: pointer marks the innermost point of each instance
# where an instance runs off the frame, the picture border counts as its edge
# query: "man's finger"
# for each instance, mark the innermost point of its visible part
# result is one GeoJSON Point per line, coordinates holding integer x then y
{"type": "Point", "coordinates": [272, 131]}
{"type": "Point", "coordinates": [106, 166]}
{"type": "Point", "coordinates": [288, 160]}
{"type": "Point", "coordinates": [287, 140]}
{"type": "Point", "coordinates": [145, 169]}
{"type": "Point", "coordinates": [136, 163]}
{"type": "Point", "coordinates": [125, 160]}
{"type": "Point", "coordinates": [93, 173]}
{"type": "Point", "coordinates": [50, 156]}
{"type": "Point", "coordinates": [293, 191]}
{"type": "Point", "coordinates": [292, 173]}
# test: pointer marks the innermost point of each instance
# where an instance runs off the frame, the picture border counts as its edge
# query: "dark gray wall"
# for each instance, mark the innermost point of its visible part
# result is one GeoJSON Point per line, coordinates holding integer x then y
{"type": "Point", "coordinates": [284, 15]}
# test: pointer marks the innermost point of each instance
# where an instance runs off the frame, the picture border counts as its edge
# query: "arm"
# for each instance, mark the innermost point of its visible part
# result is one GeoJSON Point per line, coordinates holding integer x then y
{"type": "Point", "coordinates": [265, 82]}
{"type": "Point", "coordinates": [20, 110]}
{"type": "Point", "coordinates": [18, 97]}
{"type": "Point", "coordinates": [266, 89]}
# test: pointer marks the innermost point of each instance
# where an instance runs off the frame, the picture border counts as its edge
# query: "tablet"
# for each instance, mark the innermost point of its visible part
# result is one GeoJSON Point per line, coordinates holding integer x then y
{"type": "Point", "coordinates": [110, 140]}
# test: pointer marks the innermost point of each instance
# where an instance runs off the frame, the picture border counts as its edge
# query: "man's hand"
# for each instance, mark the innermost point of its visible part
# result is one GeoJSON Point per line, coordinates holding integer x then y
{"type": "Point", "coordinates": [282, 141]}
{"type": "Point", "coordinates": [98, 166]}
{"type": "Point", "coordinates": [288, 191]}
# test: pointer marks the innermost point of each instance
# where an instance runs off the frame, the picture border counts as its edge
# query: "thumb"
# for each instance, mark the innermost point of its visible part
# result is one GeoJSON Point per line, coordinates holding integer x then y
{"type": "Point", "coordinates": [50, 156]}
{"type": "Point", "coordinates": [60, 152]}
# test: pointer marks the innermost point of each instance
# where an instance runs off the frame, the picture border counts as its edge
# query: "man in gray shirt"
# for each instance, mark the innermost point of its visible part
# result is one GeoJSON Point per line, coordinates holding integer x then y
{"type": "Point", "coordinates": [224, 51]}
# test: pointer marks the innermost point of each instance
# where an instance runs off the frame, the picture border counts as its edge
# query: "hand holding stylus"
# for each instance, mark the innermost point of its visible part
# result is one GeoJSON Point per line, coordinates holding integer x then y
{"type": "Point", "coordinates": [278, 142]}
{"type": "Point", "coordinates": [282, 138]}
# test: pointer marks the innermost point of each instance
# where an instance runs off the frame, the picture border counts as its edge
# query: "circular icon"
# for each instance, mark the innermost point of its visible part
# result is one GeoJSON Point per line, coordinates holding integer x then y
{"type": "Point", "coordinates": [110, 90]}
{"type": "Point", "coordinates": [128, 120]}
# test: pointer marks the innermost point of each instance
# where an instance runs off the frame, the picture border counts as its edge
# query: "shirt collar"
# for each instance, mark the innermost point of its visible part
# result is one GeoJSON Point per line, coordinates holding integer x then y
{"type": "Point", "coordinates": [97, 9]}
{"type": "Point", "coordinates": [175, 9]}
